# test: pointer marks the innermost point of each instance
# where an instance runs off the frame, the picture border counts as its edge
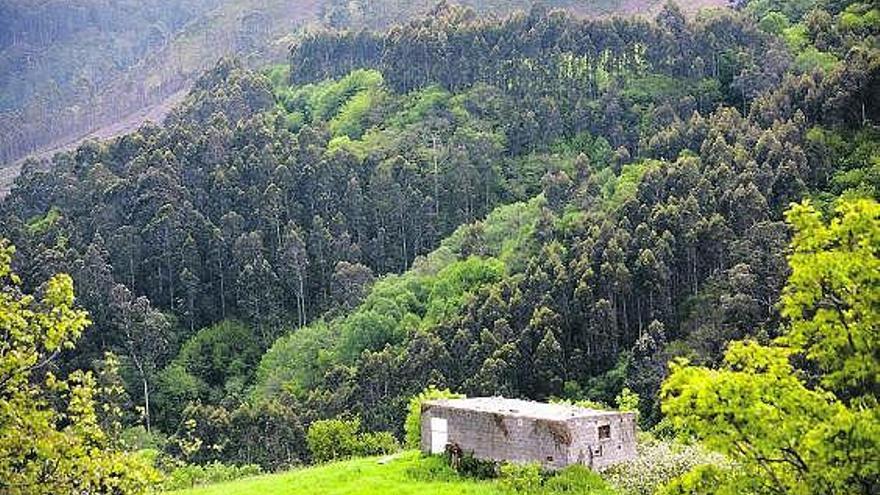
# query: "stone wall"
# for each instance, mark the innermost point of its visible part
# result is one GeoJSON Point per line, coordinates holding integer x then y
{"type": "Point", "coordinates": [588, 449]}
{"type": "Point", "coordinates": [553, 443]}
{"type": "Point", "coordinates": [502, 438]}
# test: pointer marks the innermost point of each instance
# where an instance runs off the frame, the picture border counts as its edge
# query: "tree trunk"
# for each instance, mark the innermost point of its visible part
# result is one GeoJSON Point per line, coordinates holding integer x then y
{"type": "Point", "coordinates": [436, 181]}
{"type": "Point", "coordinates": [146, 402]}
{"type": "Point", "coordinates": [222, 295]}
{"type": "Point", "coordinates": [302, 302]}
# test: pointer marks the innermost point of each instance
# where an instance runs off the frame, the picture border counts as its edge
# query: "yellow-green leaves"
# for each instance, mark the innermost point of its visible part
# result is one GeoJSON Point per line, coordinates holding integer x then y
{"type": "Point", "coordinates": [50, 438]}
{"type": "Point", "coordinates": [799, 416]}
{"type": "Point", "coordinates": [832, 298]}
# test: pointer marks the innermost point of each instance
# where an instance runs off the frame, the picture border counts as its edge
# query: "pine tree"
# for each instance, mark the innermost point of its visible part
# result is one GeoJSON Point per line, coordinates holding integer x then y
{"type": "Point", "coordinates": [549, 367]}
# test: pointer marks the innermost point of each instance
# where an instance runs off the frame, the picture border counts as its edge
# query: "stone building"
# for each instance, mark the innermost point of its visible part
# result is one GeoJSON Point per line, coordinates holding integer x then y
{"type": "Point", "coordinates": [556, 435]}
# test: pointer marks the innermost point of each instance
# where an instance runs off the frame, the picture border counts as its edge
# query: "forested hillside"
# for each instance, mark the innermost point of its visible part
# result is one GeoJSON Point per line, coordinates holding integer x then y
{"type": "Point", "coordinates": [382, 14]}
{"type": "Point", "coordinates": [540, 205]}
{"type": "Point", "coordinates": [68, 69]}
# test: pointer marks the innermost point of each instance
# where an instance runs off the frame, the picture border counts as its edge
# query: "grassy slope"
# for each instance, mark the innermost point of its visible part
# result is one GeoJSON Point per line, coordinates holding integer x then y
{"type": "Point", "coordinates": [402, 475]}
{"type": "Point", "coordinates": [405, 474]}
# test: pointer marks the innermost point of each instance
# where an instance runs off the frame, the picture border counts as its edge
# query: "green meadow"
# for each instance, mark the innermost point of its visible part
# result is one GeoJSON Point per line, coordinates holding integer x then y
{"type": "Point", "coordinates": [406, 473]}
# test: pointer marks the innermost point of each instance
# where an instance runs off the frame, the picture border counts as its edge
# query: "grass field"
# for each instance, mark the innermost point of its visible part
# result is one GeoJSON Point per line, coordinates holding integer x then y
{"type": "Point", "coordinates": [405, 474]}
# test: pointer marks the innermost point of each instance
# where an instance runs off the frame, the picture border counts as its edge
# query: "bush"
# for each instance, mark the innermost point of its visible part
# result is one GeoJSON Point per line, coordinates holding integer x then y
{"type": "Point", "coordinates": [203, 435]}
{"type": "Point", "coordinates": [628, 400]}
{"type": "Point", "coordinates": [190, 475]}
{"type": "Point", "coordinates": [469, 466]}
{"type": "Point", "coordinates": [577, 479]}
{"type": "Point", "coordinates": [658, 463]}
{"type": "Point", "coordinates": [378, 443]}
{"type": "Point", "coordinates": [268, 433]}
{"type": "Point", "coordinates": [137, 438]}
{"type": "Point", "coordinates": [521, 478]}
{"type": "Point", "coordinates": [703, 479]}
{"type": "Point", "coordinates": [333, 439]}
{"type": "Point", "coordinates": [412, 426]}
{"type": "Point", "coordinates": [514, 478]}
{"type": "Point", "coordinates": [431, 468]}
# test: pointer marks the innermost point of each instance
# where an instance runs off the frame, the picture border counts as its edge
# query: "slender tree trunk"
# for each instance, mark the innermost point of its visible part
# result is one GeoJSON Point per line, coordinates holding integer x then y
{"type": "Point", "coordinates": [639, 312]}
{"type": "Point", "coordinates": [302, 302]}
{"type": "Point", "coordinates": [146, 402]}
{"type": "Point", "coordinates": [131, 272]}
{"type": "Point", "coordinates": [140, 368]}
{"type": "Point", "coordinates": [403, 240]}
{"type": "Point", "coordinates": [170, 271]}
{"type": "Point", "coordinates": [436, 181]}
{"type": "Point", "coordinates": [222, 295]}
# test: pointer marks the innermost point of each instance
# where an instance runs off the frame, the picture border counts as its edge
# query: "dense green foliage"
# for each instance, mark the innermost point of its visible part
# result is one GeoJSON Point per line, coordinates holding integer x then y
{"type": "Point", "coordinates": [334, 439]}
{"type": "Point", "coordinates": [540, 206]}
{"type": "Point", "coordinates": [217, 362]}
{"type": "Point", "coordinates": [532, 479]}
{"type": "Point", "coordinates": [800, 415]}
{"type": "Point", "coordinates": [380, 14]}
{"type": "Point", "coordinates": [51, 435]}
{"type": "Point", "coordinates": [268, 433]}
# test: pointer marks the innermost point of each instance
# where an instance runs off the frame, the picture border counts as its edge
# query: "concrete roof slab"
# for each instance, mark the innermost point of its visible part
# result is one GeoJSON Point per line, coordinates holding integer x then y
{"type": "Point", "coordinates": [521, 408]}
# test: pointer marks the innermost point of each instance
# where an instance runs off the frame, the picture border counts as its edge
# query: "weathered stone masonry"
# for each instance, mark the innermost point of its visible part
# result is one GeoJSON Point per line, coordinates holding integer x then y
{"type": "Point", "coordinates": [556, 435]}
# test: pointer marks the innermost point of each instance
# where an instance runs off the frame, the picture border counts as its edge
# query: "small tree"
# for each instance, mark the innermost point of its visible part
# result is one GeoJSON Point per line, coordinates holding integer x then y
{"type": "Point", "coordinates": [412, 426]}
{"type": "Point", "coordinates": [800, 415]}
{"type": "Point", "coordinates": [338, 438]}
{"type": "Point", "coordinates": [548, 366]}
{"type": "Point", "coordinates": [628, 400]}
{"type": "Point", "coordinates": [51, 440]}
{"type": "Point", "coordinates": [330, 439]}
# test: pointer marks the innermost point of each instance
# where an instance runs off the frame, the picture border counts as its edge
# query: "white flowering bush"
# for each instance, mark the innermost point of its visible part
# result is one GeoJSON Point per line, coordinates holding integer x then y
{"type": "Point", "coordinates": [658, 463]}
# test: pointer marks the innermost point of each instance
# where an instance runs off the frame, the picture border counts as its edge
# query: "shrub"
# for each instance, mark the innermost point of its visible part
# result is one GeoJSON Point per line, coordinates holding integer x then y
{"type": "Point", "coordinates": [190, 475]}
{"type": "Point", "coordinates": [703, 479]}
{"type": "Point", "coordinates": [628, 400]}
{"type": "Point", "coordinates": [521, 478]}
{"type": "Point", "coordinates": [138, 438]}
{"type": "Point", "coordinates": [469, 466]}
{"type": "Point", "coordinates": [331, 439]}
{"type": "Point", "coordinates": [338, 438]}
{"type": "Point", "coordinates": [378, 443]}
{"type": "Point", "coordinates": [577, 479]}
{"type": "Point", "coordinates": [431, 468]}
{"type": "Point", "coordinates": [203, 435]}
{"type": "Point", "coordinates": [412, 426]}
{"type": "Point", "coordinates": [658, 463]}
{"type": "Point", "coordinates": [268, 433]}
